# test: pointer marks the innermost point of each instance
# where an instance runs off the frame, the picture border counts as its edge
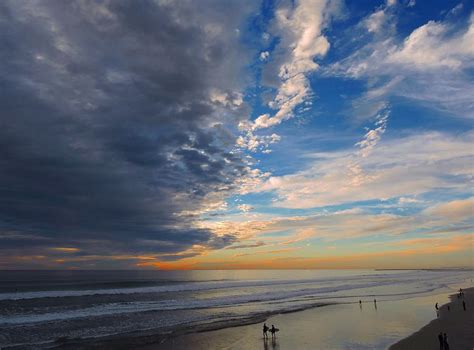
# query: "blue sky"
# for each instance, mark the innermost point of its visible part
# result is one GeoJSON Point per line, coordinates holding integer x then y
{"type": "Point", "coordinates": [337, 112]}
{"type": "Point", "coordinates": [395, 77]}
{"type": "Point", "coordinates": [303, 134]}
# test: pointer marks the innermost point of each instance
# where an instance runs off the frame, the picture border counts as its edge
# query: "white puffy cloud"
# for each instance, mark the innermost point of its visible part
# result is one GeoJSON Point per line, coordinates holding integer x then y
{"type": "Point", "coordinates": [254, 143]}
{"type": "Point", "coordinates": [253, 179]}
{"type": "Point", "coordinates": [245, 208]}
{"type": "Point", "coordinates": [430, 47]}
{"type": "Point", "coordinates": [432, 65]}
{"type": "Point", "coordinates": [227, 99]}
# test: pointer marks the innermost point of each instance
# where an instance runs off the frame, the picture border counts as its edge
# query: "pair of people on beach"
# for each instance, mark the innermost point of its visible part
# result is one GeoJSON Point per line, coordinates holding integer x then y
{"type": "Point", "coordinates": [437, 308]}
{"type": "Point", "coordinates": [272, 330]}
{"type": "Point", "coordinates": [461, 295]}
{"type": "Point", "coordinates": [443, 341]}
{"type": "Point", "coordinates": [375, 303]}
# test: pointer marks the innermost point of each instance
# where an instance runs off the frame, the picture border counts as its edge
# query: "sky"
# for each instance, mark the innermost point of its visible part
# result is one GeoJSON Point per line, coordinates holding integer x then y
{"type": "Point", "coordinates": [237, 134]}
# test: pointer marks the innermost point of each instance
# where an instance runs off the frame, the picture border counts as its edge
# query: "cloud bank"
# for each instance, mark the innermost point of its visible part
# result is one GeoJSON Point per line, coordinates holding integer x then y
{"type": "Point", "coordinates": [116, 125]}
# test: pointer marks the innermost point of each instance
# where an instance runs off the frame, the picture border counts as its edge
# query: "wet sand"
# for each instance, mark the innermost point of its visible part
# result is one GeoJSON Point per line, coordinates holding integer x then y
{"type": "Point", "coordinates": [343, 326]}
{"type": "Point", "coordinates": [337, 326]}
{"type": "Point", "coordinates": [456, 323]}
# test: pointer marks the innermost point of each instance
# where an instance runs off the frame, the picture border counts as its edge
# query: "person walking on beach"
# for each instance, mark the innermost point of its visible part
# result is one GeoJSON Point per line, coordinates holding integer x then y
{"type": "Point", "coordinates": [464, 305]}
{"type": "Point", "coordinates": [445, 342]}
{"type": "Point", "coordinates": [441, 341]}
{"type": "Point", "coordinates": [265, 329]}
{"type": "Point", "coordinates": [273, 330]}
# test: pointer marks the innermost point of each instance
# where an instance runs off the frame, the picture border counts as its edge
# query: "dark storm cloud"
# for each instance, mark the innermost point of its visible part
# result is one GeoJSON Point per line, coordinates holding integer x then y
{"type": "Point", "coordinates": [108, 138]}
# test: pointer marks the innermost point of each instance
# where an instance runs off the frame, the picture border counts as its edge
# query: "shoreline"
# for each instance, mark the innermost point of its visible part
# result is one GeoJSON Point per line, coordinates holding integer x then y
{"type": "Point", "coordinates": [339, 326]}
{"type": "Point", "coordinates": [239, 328]}
{"type": "Point", "coordinates": [145, 338]}
{"type": "Point", "coordinates": [455, 322]}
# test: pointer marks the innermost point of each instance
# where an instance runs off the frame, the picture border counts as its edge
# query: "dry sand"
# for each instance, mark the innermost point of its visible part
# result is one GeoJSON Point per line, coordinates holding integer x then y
{"type": "Point", "coordinates": [456, 323]}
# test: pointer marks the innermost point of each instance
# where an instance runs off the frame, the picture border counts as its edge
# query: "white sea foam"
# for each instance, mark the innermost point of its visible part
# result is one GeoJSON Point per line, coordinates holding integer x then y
{"type": "Point", "coordinates": [269, 296]}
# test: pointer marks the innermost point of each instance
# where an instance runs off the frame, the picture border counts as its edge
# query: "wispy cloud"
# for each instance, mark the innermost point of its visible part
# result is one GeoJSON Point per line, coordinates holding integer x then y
{"type": "Point", "coordinates": [300, 31]}
{"type": "Point", "coordinates": [142, 135]}
{"type": "Point", "coordinates": [438, 220]}
{"type": "Point", "coordinates": [393, 169]}
{"type": "Point", "coordinates": [245, 246]}
{"type": "Point", "coordinates": [431, 65]}
{"type": "Point", "coordinates": [406, 254]}
{"type": "Point", "coordinates": [299, 27]}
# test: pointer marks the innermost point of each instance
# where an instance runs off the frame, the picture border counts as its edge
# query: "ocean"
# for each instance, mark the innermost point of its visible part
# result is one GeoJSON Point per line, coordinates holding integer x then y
{"type": "Point", "coordinates": [38, 308]}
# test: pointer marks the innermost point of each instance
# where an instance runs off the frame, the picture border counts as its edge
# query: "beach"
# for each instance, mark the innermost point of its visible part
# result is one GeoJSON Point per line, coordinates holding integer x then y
{"type": "Point", "coordinates": [456, 323]}
{"type": "Point", "coordinates": [344, 326]}
{"type": "Point", "coordinates": [221, 309]}
{"type": "Point", "coordinates": [185, 174]}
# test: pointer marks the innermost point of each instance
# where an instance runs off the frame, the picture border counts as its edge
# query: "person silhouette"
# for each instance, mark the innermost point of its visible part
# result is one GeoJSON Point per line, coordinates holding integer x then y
{"type": "Point", "coordinates": [273, 330]}
{"type": "Point", "coordinates": [445, 342]}
{"type": "Point", "coordinates": [265, 329]}
{"type": "Point", "coordinates": [441, 341]}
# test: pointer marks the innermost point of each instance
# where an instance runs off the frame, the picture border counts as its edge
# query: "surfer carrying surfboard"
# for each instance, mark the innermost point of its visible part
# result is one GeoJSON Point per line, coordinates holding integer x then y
{"type": "Point", "coordinates": [273, 330]}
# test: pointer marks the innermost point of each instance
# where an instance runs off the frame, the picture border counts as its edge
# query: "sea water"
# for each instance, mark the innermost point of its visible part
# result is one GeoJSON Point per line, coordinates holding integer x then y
{"type": "Point", "coordinates": [39, 307]}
